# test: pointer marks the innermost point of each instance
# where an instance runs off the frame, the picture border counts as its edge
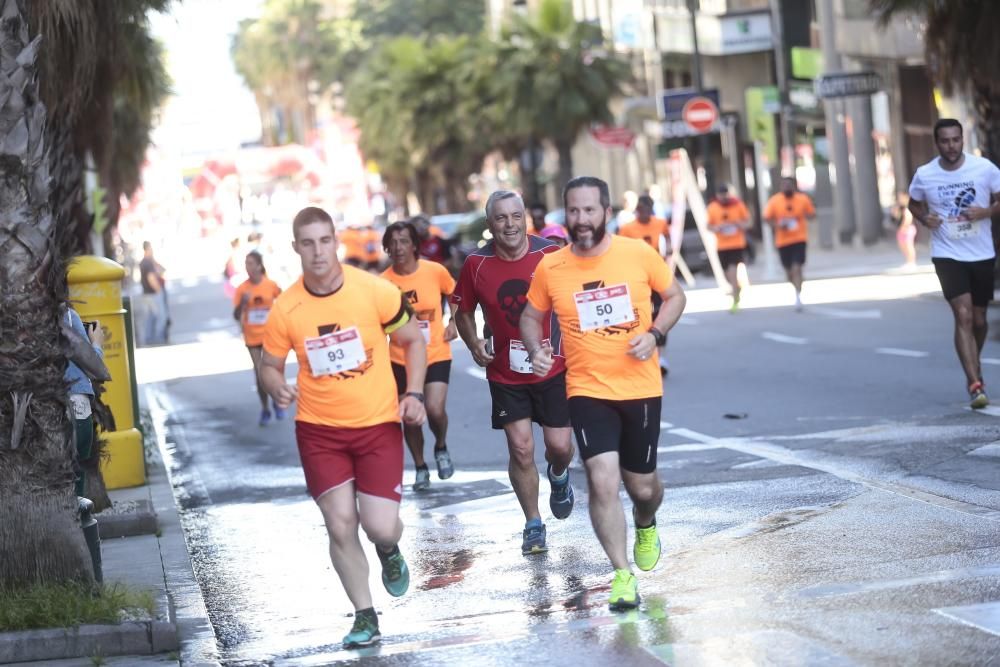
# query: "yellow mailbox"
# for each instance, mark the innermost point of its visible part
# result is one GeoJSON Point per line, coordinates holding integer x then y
{"type": "Point", "coordinates": [95, 292]}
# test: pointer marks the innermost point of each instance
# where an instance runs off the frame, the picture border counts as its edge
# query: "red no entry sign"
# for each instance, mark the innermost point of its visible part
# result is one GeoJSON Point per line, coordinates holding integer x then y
{"type": "Point", "coordinates": [700, 114]}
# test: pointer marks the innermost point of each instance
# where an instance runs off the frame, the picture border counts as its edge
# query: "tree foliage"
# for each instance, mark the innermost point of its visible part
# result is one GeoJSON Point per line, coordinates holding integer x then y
{"type": "Point", "coordinates": [419, 18]}
{"type": "Point", "coordinates": [963, 53]}
{"type": "Point", "coordinates": [432, 95]}
{"type": "Point", "coordinates": [103, 78]}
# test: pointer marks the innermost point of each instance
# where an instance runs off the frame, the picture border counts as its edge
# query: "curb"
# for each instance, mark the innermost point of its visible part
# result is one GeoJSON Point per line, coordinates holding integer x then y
{"type": "Point", "coordinates": [198, 644]}
{"type": "Point", "coordinates": [140, 522]}
{"type": "Point", "coordinates": [134, 638]}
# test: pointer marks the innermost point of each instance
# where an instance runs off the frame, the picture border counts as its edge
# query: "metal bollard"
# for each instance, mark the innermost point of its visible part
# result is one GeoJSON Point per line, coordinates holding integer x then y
{"type": "Point", "coordinates": [92, 535]}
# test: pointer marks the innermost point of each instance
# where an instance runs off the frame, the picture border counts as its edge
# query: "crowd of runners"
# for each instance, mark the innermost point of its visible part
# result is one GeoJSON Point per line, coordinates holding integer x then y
{"type": "Point", "coordinates": [576, 322]}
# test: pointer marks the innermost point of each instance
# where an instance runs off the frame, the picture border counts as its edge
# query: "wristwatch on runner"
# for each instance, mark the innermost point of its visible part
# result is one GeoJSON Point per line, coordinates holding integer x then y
{"type": "Point", "coordinates": [661, 338]}
{"type": "Point", "coordinates": [415, 394]}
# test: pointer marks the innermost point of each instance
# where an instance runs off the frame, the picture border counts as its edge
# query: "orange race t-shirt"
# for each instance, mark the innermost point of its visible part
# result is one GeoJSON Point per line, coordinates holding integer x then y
{"type": "Point", "coordinates": [423, 290]}
{"type": "Point", "coordinates": [260, 297]}
{"type": "Point", "coordinates": [650, 232]}
{"type": "Point", "coordinates": [353, 242]}
{"type": "Point", "coordinates": [371, 243]}
{"type": "Point", "coordinates": [789, 214]}
{"type": "Point", "coordinates": [366, 305]}
{"type": "Point", "coordinates": [582, 289]}
{"type": "Point", "coordinates": [721, 219]}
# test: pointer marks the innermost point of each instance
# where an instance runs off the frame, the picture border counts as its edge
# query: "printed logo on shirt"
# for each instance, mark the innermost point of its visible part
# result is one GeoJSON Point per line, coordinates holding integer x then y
{"type": "Point", "coordinates": [512, 297]}
{"type": "Point", "coordinates": [411, 296]}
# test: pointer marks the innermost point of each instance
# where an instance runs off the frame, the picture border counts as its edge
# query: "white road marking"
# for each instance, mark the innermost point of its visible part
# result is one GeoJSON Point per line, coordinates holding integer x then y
{"type": "Point", "coordinates": [901, 352]}
{"type": "Point", "coordinates": [985, 617]}
{"type": "Point", "coordinates": [847, 314]}
{"type": "Point", "coordinates": [991, 450]}
{"type": "Point", "coordinates": [666, 425]}
{"type": "Point", "coordinates": [690, 447]}
{"type": "Point", "coordinates": [694, 435]}
{"type": "Point", "coordinates": [991, 410]}
{"type": "Point", "coordinates": [832, 466]}
{"type": "Point", "coordinates": [687, 320]}
{"type": "Point", "coordinates": [989, 361]}
{"type": "Point", "coordinates": [476, 372]}
{"type": "Point", "coordinates": [781, 338]}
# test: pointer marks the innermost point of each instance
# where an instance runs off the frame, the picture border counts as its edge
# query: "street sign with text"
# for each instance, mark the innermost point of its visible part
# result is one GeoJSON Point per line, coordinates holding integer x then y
{"type": "Point", "coordinates": [847, 84]}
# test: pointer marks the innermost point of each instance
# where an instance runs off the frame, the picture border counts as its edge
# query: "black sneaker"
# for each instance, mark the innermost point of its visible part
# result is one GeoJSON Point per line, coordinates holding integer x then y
{"type": "Point", "coordinates": [560, 496]}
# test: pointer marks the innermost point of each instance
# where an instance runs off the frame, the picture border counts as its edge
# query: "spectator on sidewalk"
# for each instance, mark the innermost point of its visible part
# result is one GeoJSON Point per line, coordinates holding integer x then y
{"type": "Point", "coordinates": [155, 315]}
{"type": "Point", "coordinates": [81, 395]}
{"type": "Point", "coordinates": [906, 231]}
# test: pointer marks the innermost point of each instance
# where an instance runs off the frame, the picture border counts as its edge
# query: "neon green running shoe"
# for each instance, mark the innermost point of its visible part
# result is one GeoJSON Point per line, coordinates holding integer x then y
{"type": "Point", "coordinates": [647, 548]}
{"type": "Point", "coordinates": [364, 632]}
{"type": "Point", "coordinates": [624, 591]}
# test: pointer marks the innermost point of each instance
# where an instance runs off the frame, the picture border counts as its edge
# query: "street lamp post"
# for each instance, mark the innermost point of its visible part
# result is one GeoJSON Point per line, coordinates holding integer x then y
{"type": "Point", "coordinates": [699, 84]}
{"type": "Point", "coordinates": [781, 73]}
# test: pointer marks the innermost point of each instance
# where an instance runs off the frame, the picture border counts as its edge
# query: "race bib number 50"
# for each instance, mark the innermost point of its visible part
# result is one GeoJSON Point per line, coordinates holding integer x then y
{"type": "Point", "coordinates": [335, 352]}
{"type": "Point", "coordinates": [604, 307]}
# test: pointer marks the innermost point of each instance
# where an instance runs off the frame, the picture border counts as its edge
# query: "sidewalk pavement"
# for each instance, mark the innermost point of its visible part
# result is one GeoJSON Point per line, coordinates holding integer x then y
{"type": "Point", "coordinates": [156, 561]}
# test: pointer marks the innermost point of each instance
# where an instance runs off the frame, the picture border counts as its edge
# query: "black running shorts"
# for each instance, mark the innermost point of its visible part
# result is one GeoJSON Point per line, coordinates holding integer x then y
{"type": "Point", "coordinates": [794, 253]}
{"type": "Point", "coordinates": [630, 428]}
{"type": "Point", "coordinates": [437, 372]}
{"type": "Point", "coordinates": [958, 278]}
{"type": "Point", "coordinates": [731, 257]}
{"type": "Point", "coordinates": [543, 402]}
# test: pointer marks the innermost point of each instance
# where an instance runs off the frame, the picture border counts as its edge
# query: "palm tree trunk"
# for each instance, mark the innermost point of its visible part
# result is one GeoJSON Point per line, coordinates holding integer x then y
{"type": "Point", "coordinates": [40, 536]}
{"type": "Point", "coordinates": [565, 149]}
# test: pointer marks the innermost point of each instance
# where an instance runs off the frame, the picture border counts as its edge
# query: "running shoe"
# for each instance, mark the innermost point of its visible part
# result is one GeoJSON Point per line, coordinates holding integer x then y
{"type": "Point", "coordinates": [279, 413]}
{"type": "Point", "coordinates": [443, 460]}
{"type": "Point", "coordinates": [560, 495]}
{"type": "Point", "coordinates": [533, 538]}
{"type": "Point", "coordinates": [364, 632]}
{"type": "Point", "coordinates": [735, 308]}
{"type": "Point", "coordinates": [265, 418]}
{"type": "Point", "coordinates": [977, 396]}
{"type": "Point", "coordinates": [423, 479]}
{"type": "Point", "coordinates": [647, 548]}
{"type": "Point", "coordinates": [395, 574]}
{"type": "Point", "coordinates": [624, 591]}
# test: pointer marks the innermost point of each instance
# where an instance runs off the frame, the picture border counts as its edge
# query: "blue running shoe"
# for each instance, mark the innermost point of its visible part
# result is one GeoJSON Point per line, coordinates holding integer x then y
{"type": "Point", "coordinates": [395, 574]}
{"type": "Point", "coordinates": [533, 538]}
{"type": "Point", "coordinates": [265, 418]}
{"type": "Point", "coordinates": [364, 632]}
{"type": "Point", "coordinates": [561, 494]}
{"type": "Point", "coordinates": [279, 413]}
{"type": "Point", "coordinates": [444, 465]}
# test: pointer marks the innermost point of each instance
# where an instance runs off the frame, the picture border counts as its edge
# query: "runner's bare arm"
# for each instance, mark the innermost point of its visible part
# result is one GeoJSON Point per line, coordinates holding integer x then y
{"type": "Point", "coordinates": [466, 323]}
{"type": "Point", "coordinates": [450, 331]}
{"type": "Point", "coordinates": [532, 331]}
{"type": "Point", "coordinates": [674, 301]}
{"type": "Point", "coordinates": [921, 213]}
{"type": "Point", "coordinates": [272, 378]}
{"type": "Point", "coordinates": [408, 337]}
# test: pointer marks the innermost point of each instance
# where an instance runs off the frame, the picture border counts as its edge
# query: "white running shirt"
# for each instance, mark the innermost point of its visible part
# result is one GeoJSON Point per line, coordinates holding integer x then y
{"type": "Point", "coordinates": [948, 193]}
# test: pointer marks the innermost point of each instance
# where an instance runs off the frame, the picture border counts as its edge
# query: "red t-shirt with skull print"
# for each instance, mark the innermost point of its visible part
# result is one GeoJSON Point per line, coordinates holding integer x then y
{"type": "Point", "coordinates": [501, 288]}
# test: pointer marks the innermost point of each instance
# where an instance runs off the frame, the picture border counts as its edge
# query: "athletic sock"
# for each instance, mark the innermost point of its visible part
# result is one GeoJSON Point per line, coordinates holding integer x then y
{"type": "Point", "coordinates": [382, 556]}
{"type": "Point", "coordinates": [559, 479]}
{"type": "Point", "coordinates": [533, 523]}
{"type": "Point", "coordinates": [369, 613]}
{"type": "Point", "coordinates": [638, 525]}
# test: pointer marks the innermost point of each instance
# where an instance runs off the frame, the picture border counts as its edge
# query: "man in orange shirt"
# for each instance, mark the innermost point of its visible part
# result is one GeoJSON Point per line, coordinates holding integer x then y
{"type": "Point", "coordinates": [729, 219]}
{"type": "Point", "coordinates": [347, 424]}
{"type": "Point", "coordinates": [424, 284]}
{"type": "Point", "coordinates": [599, 288]}
{"type": "Point", "coordinates": [788, 212]}
{"type": "Point", "coordinates": [656, 232]}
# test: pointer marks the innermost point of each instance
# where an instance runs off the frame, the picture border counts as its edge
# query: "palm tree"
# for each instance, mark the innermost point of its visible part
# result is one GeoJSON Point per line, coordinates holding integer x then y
{"type": "Point", "coordinates": [557, 78]}
{"type": "Point", "coordinates": [41, 538]}
{"type": "Point", "coordinates": [102, 78]}
{"type": "Point", "coordinates": [963, 54]}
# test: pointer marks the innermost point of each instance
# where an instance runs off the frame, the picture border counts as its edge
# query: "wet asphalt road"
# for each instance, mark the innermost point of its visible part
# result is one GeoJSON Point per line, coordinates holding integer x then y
{"type": "Point", "coordinates": [850, 515]}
